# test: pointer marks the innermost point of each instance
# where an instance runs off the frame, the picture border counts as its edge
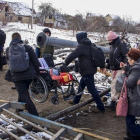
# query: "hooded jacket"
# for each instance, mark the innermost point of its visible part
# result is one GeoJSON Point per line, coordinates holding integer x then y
{"type": "Point", "coordinates": [133, 89]}
{"type": "Point", "coordinates": [83, 53]}
{"type": "Point", "coordinates": [33, 69]}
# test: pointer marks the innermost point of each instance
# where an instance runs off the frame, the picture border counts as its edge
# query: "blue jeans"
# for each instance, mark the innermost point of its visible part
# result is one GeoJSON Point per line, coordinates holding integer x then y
{"type": "Point", "coordinates": [88, 80]}
{"type": "Point", "coordinates": [131, 125]}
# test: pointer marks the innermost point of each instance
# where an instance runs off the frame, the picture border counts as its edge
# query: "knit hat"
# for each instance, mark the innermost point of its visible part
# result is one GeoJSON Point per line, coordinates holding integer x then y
{"type": "Point", "coordinates": [111, 35]}
{"type": "Point", "coordinates": [46, 30]}
{"type": "Point", "coordinates": [80, 36]}
{"type": "Point", "coordinates": [134, 54]}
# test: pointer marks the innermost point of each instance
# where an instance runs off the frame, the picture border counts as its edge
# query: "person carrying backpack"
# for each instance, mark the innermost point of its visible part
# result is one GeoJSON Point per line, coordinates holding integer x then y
{"type": "Point", "coordinates": [117, 55]}
{"type": "Point", "coordinates": [23, 67]}
{"type": "Point", "coordinates": [86, 69]}
{"type": "Point", "coordinates": [2, 42]}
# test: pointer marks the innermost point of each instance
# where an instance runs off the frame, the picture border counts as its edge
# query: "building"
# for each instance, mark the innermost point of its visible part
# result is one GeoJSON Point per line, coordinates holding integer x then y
{"type": "Point", "coordinates": [110, 18]}
{"type": "Point", "coordinates": [56, 20]}
{"type": "Point", "coordinates": [16, 12]}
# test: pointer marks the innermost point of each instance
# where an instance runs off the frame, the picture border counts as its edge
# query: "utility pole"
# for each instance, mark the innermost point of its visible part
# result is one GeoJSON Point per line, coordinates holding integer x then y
{"type": "Point", "coordinates": [32, 14]}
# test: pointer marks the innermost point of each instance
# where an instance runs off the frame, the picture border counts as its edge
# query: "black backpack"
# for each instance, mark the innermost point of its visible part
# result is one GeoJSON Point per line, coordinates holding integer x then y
{"type": "Point", "coordinates": [2, 37]}
{"type": "Point", "coordinates": [97, 56]}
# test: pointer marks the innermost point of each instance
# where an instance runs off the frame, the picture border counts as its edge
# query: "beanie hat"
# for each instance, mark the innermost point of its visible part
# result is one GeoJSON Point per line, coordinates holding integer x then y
{"type": "Point", "coordinates": [2, 37]}
{"type": "Point", "coordinates": [46, 30]}
{"type": "Point", "coordinates": [134, 54]}
{"type": "Point", "coordinates": [111, 35]}
{"type": "Point", "coordinates": [80, 36]}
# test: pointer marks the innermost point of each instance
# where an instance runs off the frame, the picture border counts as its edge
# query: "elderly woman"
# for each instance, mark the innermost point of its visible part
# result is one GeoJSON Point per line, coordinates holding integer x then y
{"type": "Point", "coordinates": [133, 116]}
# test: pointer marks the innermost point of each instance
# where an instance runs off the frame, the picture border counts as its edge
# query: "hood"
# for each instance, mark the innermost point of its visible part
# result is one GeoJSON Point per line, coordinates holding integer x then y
{"type": "Point", "coordinates": [16, 41]}
{"type": "Point", "coordinates": [80, 36]}
{"type": "Point", "coordinates": [85, 41]}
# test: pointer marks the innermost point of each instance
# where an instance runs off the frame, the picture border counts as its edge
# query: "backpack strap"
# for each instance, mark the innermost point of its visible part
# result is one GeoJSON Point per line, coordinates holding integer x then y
{"type": "Point", "coordinates": [43, 51]}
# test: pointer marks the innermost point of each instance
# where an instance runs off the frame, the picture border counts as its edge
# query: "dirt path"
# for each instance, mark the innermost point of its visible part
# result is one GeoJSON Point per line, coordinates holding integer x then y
{"type": "Point", "coordinates": [92, 122]}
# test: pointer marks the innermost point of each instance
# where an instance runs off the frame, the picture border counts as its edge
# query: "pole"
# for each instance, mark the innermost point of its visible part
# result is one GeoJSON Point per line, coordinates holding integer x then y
{"type": "Point", "coordinates": [32, 13]}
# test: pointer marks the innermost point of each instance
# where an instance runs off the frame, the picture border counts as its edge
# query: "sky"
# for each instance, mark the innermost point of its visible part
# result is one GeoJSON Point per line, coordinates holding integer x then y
{"type": "Point", "coordinates": [129, 8]}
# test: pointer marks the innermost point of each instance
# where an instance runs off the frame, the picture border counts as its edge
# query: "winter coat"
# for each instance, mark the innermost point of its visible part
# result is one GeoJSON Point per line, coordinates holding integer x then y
{"type": "Point", "coordinates": [83, 53]}
{"type": "Point", "coordinates": [133, 89]}
{"type": "Point", "coordinates": [117, 54]}
{"type": "Point", "coordinates": [33, 69]}
{"type": "Point", "coordinates": [1, 47]}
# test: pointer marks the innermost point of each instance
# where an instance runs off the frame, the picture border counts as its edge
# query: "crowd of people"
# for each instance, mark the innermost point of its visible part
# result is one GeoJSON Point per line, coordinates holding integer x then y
{"type": "Point", "coordinates": [121, 60]}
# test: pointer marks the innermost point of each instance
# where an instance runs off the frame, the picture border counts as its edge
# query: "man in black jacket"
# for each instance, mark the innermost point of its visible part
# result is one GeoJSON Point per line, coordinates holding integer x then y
{"type": "Point", "coordinates": [23, 79]}
{"type": "Point", "coordinates": [86, 68]}
{"type": "Point", "coordinates": [117, 55]}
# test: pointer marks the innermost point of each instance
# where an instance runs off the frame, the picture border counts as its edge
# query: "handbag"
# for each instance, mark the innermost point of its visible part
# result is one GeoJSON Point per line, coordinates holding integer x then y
{"type": "Point", "coordinates": [4, 60]}
{"type": "Point", "coordinates": [120, 82]}
{"type": "Point", "coordinates": [122, 104]}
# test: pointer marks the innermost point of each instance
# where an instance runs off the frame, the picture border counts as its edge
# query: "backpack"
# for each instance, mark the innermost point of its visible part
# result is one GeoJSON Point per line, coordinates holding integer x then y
{"type": "Point", "coordinates": [18, 58]}
{"type": "Point", "coordinates": [2, 37]}
{"type": "Point", "coordinates": [97, 55]}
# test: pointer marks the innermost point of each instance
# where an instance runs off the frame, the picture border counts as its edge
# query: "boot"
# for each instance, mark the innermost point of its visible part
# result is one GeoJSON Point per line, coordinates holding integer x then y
{"type": "Point", "coordinates": [127, 136]}
{"type": "Point", "coordinates": [112, 105]}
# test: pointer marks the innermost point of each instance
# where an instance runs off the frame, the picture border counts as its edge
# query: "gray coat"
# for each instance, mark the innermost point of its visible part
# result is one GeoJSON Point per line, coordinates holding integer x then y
{"type": "Point", "coordinates": [134, 89]}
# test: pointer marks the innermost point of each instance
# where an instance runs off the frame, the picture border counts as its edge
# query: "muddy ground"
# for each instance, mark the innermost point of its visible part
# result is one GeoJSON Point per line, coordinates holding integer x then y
{"type": "Point", "coordinates": [107, 125]}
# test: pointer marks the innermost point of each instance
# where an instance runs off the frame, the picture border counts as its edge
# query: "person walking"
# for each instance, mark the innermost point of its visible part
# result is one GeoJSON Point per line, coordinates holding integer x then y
{"type": "Point", "coordinates": [23, 67]}
{"type": "Point", "coordinates": [117, 55]}
{"type": "Point", "coordinates": [133, 94]}
{"type": "Point", "coordinates": [87, 70]}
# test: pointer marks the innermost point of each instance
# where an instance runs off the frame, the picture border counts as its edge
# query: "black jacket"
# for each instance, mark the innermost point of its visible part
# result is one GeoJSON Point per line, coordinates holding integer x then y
{"type": "Point", "coordinates": [133, 89]}
{"type": "Point", "coordinates": [33, 69]}
{"type": "Point", "coordinates": [83, 53]}
{"type": "Point", "coordinates": [117, 53]}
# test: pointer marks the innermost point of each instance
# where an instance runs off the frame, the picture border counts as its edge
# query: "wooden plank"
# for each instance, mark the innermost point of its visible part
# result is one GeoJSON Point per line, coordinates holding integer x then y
{"type": "Point", "coordinates": [88, 134]}
{"type": "Point", "coordinates": [18, 105]}
{"type": "Point", "coordinates": [60, 133]}
{"type": "Point", "coordinates": [13, 104]}
{"type": "Point", "coordinates": [11, 134]}
{"type": "Point", "coordinates": [79, 137]}
{"type": "Point", "coordinates": [5, 105]}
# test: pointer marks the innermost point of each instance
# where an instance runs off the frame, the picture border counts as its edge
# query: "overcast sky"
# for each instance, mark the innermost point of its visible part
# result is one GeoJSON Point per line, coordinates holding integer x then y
{"type": "Point", "coordinates": [117, 7]}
